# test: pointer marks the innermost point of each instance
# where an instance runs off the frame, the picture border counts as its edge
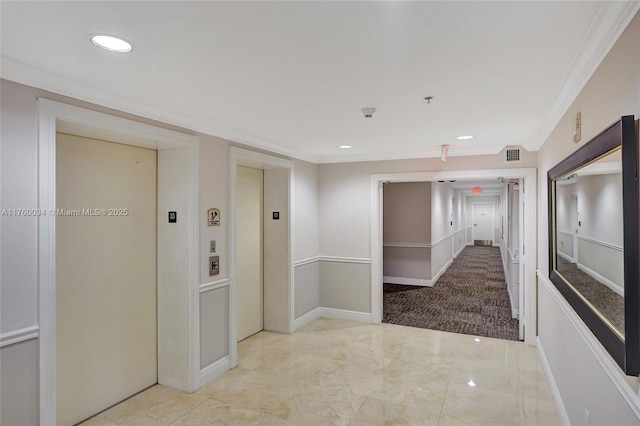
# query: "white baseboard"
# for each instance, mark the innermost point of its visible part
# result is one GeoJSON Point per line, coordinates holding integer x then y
{"type": "Point", "coordinates": [214, 370]}
{"type": "Point", "coordinates": [407, 281]}
{"type": "Point", "coordinates": [345, 315]}
{"type": "Point", "coordinates": [462, 247]}
{"type": "Point", "coordinates": [306, 318]}
{"type": "Point", "coordinates": [565, 256]}
{"type": "Point", "coordinates": [331, 313]}
{"type": "Point", "coordinates": [601, 279]}
{"type": "Point", "coordinates": [562, 411]}
{"type": "Point", "coordinates": [515, 313]}
{"type": "Point", "coordinates": [441, 271]}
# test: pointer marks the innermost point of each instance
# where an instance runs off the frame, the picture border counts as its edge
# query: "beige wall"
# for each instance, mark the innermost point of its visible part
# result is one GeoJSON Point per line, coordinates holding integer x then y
{"type": "Point", "coordinates": [613, 91]}
{"type": "Point", "coordinates": [19, 295]}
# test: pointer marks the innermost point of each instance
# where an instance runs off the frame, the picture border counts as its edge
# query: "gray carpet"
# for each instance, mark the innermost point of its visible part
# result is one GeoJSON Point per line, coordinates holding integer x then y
{"type": "Point", "coordinates": [469, 298]}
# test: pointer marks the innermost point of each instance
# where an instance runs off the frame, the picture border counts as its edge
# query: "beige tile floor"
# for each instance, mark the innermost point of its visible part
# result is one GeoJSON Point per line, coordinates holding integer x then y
{"type": "Point", "coordinates": [338, 372]}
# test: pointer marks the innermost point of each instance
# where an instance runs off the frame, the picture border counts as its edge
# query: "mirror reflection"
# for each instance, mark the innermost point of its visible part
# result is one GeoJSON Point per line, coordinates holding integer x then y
{"type": "Point", "coordinates": [589, 235]}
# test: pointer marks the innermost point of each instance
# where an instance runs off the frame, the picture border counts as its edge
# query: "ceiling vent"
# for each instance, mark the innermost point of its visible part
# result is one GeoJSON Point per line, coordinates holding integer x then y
{"type": "Point", "coordinates": [512, 155]}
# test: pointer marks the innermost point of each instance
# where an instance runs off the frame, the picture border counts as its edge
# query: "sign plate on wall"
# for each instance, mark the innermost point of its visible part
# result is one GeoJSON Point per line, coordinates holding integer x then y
{"type": "Point", "coordinates": [213, 217]}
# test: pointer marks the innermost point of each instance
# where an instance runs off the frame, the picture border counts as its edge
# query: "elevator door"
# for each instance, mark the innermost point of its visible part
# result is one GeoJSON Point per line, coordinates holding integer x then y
{"type": "Point", "coordinates": [106, 327]}
{"type": "Point", "coordinates": [250, 237]}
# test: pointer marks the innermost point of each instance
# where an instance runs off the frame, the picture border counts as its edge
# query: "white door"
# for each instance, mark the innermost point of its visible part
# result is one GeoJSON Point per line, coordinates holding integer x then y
{"type": "Point", "coordinates": [106, 309]}
{"type": "Point", "coordinates": [250, 283]}
{"type": "Point", "coordinates": [483, 221]}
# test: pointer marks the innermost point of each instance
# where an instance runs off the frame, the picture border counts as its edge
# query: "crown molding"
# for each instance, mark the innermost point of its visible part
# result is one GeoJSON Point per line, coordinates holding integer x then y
{"type": "Point", "coordinates": [609, 22]}
{"type": "Point", "coordinates": [28, 75]}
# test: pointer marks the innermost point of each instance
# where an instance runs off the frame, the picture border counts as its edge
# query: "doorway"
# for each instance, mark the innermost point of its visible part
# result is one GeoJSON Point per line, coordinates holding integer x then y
{"type": "Point", "coordinates": [527, 243]}
{"type": "Point", "coordinates": [250, 237]}
{"type": "Point", "coordinates": [106, 292]}
{"type": "Point", "coordinates": [177, 272]}
{"type": "Point", "coordinates": [277, 262]}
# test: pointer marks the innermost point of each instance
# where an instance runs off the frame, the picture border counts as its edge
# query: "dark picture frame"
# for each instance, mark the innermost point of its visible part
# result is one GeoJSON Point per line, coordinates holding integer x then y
{"type": "Point", "coordinates": [623, 134]}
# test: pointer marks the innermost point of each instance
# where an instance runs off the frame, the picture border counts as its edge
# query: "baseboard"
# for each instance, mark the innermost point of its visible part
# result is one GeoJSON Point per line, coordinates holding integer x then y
{"type": "Point", "coordinates": [565, 256]}
{"type": "Point", "coordinates": [562, 411]}
{"type": "Point", "coordinates": [441, 271]}
{"type": "Point", "coordinates": [407, 281]}
{"type": "Point", "coordinates": [214, 370]}
{"type": "Point", "coordinates": [306, 318]}
{"type": "Point", "coordinates": [345, 314]}
{"type": "Point", "coordinates": [456, 254]}
{"type": "Point", "coordinates": [515, 313]}
{"type": "Point", "coordinates": [602, 280]}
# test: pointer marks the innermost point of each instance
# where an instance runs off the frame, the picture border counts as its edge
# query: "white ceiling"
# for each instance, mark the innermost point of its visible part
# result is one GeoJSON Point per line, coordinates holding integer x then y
{"type": "Point", "coordinates": [292, 77]}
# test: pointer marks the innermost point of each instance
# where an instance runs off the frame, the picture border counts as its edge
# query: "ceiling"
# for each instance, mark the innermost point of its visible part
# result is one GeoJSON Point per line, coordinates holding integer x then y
{"type": "Point", "coordinates": [292, 77]}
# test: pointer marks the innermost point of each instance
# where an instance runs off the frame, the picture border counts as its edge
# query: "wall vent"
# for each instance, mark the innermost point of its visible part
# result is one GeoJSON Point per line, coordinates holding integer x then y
{"type": "Point", "coordinates": [512, 155]}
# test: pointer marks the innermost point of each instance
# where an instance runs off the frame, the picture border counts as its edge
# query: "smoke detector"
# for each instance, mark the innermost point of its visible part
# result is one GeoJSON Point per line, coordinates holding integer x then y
{"type": "Point", "coordinates": [368, 112]}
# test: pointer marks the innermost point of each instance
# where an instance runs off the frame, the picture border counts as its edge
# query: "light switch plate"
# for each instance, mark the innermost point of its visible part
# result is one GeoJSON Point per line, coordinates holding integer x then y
{"type": "Point", "coordinates": [212, 246]}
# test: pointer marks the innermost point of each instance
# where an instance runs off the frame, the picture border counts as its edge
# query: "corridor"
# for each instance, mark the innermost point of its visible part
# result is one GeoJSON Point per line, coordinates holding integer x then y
{"type": "Point", "coordinates": [469, 298]}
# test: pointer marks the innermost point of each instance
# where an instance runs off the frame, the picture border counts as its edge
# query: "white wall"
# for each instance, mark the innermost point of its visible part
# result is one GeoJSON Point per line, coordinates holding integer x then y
{"type": "Point", "coordinates": [586, 381]}
{"type": "Point", "coordinates": [306, 240]}
{"type": "Point", "coordinates": [441, 230]}
{"type": "Point", "coordinates": [600, 231]}
{"type": "Point", "coordinates": [276, 265]}
{"type": "Point", "coordinates": [459, 229]}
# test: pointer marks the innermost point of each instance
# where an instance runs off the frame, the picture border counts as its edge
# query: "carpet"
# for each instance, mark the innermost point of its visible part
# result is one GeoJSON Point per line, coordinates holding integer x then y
{"type": "Point", "coordinates": [609, 303]}
{"type": "Point", "coordinates": [469, 298]}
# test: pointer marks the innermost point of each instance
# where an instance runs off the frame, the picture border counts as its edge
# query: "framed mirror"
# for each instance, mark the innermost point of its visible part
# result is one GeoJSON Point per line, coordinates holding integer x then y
{"type": "Point", "coordinates": [593, 238]}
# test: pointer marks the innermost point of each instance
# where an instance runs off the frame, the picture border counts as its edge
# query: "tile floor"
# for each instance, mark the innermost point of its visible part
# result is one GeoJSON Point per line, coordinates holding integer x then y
{"type": "Point", "coordinates": [338, 372]}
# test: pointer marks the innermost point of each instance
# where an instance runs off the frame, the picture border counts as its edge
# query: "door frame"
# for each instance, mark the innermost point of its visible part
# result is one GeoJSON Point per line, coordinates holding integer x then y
{"type": "Point", "coordinates": [528, 245]}
{"type": "Point", "coordinates": [256, 160]}
{"type": "Point", "coordinates": [179, 165]}
{"type": "Point", "coordinates": [493, 220]}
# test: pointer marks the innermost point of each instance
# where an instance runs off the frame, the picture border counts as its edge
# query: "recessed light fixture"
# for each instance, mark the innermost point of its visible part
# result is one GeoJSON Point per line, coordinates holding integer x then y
{"type": "Point", "coordinates": [464, 138]}
{"type": "Point", "coordinates": [111, 43]}
{"type": "Point", "coordinates": [344, 146]}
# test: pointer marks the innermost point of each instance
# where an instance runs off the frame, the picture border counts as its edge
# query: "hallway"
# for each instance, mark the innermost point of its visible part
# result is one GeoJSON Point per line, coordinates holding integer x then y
{"type": "Point", "coordinates": [470, 298]}
{"type": "Point", "coordinates": [335, 372]}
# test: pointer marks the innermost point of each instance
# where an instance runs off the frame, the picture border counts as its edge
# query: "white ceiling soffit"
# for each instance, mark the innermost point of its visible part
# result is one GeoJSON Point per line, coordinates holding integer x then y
{"type": "Point", "coordinates": [292, 77]}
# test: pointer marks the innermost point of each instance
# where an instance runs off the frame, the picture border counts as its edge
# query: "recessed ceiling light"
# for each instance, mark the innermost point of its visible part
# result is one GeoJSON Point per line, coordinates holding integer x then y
{"type": "Point", "coordinates": [111, 43]}
{"type": "Point", "coordinates": [344, 146]}
{"type": "Point", "coordinates": [464, 138]}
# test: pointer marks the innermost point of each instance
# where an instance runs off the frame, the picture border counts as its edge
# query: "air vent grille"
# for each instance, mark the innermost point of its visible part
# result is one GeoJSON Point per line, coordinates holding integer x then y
{"type": "Point", "coordinates": [512, 155]}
